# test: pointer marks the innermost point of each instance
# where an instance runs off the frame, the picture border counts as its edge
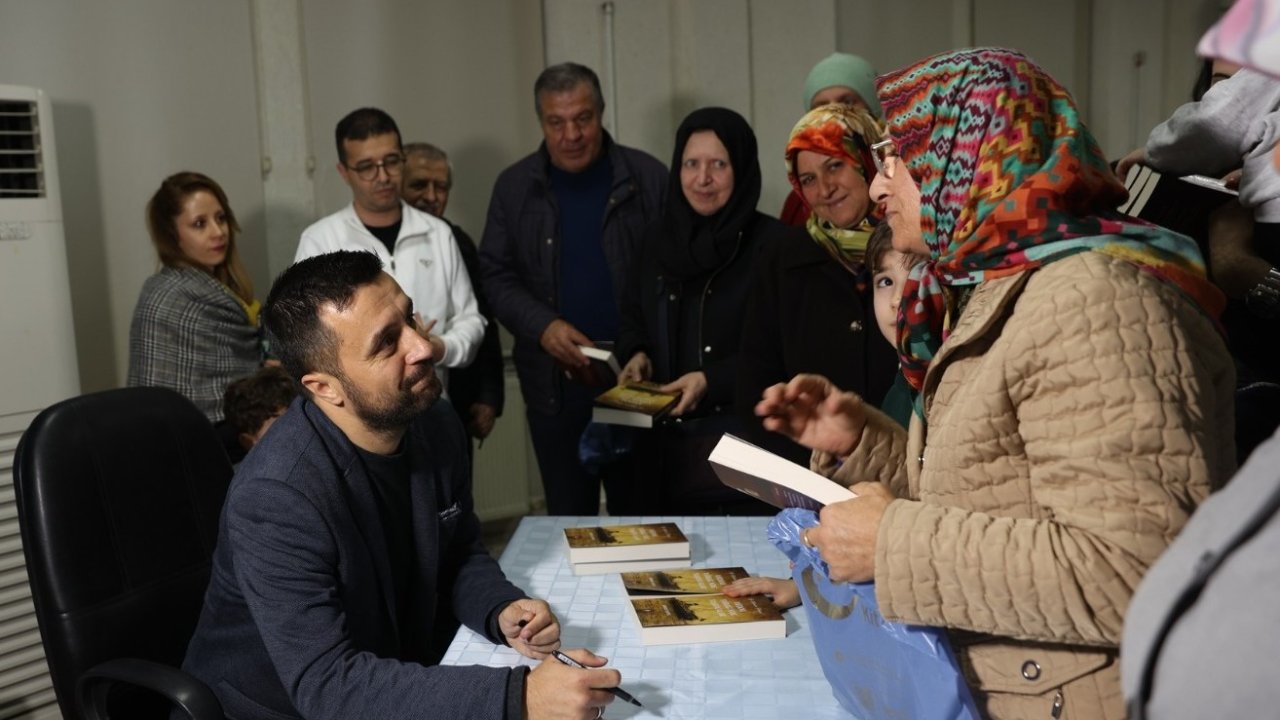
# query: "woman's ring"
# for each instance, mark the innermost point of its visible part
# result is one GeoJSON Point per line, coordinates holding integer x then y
{"type": "Point", "coordinates": [599, 712]}
{"type": "Point", "coordinates": [804, 538]}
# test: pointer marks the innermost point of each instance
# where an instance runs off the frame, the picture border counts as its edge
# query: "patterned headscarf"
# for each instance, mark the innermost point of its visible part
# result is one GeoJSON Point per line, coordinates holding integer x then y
{"type": "Point", "coordinates": [1247, 35]}
{"type": "Point", "coordinates": [839, 131]}
{"type": "Point", "coordinates": [1010, 179]}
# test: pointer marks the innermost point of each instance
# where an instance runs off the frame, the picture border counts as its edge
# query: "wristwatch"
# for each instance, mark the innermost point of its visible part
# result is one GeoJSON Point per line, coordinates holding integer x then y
{"type": "Point", "coordinates": [1263, 299]}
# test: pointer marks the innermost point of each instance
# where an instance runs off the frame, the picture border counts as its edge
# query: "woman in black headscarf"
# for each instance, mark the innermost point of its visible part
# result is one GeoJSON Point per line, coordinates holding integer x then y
{"type": "Point", "coordinates": [682, 312]}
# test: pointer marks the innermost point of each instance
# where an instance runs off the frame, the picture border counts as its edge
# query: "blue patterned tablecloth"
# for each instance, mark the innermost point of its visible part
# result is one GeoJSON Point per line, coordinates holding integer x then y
{"type": "Point", "coordinates": [735, 680]}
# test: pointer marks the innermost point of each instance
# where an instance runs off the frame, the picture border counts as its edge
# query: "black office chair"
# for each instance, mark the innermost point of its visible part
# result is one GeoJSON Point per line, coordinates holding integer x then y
{"type": "Point", "coordinates": [118, 497]}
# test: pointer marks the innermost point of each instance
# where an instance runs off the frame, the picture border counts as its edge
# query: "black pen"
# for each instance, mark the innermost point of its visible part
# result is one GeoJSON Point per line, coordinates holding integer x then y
{"type": "Point", "coordinates": [617, 691]}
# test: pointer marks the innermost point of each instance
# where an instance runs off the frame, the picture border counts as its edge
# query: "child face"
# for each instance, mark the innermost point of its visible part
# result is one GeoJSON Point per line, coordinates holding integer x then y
{"type": "Point", "coordinates": [887, 292]}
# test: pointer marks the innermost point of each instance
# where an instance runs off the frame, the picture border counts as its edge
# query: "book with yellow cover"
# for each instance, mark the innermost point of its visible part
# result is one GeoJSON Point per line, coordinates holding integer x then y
{"type": "Point", "coordinates": [707, 618]}
{"type": "Point", "coordinates": [680, 581]}
{"type": "Point", "coordinates": [637, 404]}
{"type": "Point", "coordinates": [614, 543]}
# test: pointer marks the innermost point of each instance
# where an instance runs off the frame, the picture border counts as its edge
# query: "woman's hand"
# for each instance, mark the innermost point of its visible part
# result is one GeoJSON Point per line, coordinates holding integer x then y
{"type": "Point", "coordinates": [784, 593]}
{"type": "Point", "coordinates": [814, 413]}
{"type": "Point", "coordinates": [691, 386]}
{"type": "Point", "coordinates": [637, 369]}
{"type": "Point", "coordinates": [846, 532]}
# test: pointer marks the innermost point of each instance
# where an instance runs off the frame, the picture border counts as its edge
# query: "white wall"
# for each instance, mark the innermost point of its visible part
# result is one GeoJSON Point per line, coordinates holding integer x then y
{"type": "Point", "coordinates": [140, 89]}
{"type": "Point", "coordinates": [458, 75]}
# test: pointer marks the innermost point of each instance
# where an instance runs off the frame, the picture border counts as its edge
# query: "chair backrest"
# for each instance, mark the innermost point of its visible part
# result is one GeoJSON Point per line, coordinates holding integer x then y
{"type": "Point", "coordinates": [118, 495]}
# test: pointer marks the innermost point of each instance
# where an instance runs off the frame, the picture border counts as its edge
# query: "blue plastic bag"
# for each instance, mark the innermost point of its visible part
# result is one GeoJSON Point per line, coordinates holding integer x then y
{"type": "Point", "coordinates": [878, 670]}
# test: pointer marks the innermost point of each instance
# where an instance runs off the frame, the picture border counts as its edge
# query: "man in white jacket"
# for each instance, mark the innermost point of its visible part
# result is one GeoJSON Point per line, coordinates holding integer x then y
{"type": "Point", "coordinates": [418, 250]}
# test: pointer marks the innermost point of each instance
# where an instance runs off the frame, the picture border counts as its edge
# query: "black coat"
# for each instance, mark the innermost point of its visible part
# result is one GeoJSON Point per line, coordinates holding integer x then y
{"type": "Point", "coordinates": [655, 304]}
{"type": "Point", "coordinates": [805, 315]}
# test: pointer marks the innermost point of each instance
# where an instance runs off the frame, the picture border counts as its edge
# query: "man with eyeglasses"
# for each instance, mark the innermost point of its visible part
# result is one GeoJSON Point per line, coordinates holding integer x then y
{"type": "Point", "coordinates": [563, 230]}
{"type": "Point", "coordinates": [417, 249]}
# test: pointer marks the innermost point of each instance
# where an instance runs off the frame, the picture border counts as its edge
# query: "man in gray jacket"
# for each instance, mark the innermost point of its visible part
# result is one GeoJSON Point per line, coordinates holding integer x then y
{"type": "Point", "coordinates": [351, 525]}
{"type": "Point", "coordinates": [563, 231]}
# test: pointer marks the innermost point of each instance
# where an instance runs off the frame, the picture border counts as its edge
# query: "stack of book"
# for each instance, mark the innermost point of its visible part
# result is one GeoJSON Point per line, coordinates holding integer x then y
{"type": "Point", "coordinates": [626, 548]}
{"type": "Point", "coordinates": [685, 605]}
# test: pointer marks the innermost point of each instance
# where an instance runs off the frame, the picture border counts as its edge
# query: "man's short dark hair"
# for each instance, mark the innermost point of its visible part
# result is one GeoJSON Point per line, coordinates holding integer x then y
{"type": "Point", "coordinates": [363, 124]}
{"type": "Point", "coordinates": [563, 78]}
{"type": "Point", "coordinates": [251, 401]}
{"type": "Point", "coordinates": [292, 316]}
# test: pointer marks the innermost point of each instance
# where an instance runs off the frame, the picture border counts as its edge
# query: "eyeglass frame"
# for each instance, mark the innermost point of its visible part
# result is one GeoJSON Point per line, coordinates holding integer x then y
{"type": "Point", "coordinates": [882, 167]}
{"type": "Point", "coordinates": [370, 172]}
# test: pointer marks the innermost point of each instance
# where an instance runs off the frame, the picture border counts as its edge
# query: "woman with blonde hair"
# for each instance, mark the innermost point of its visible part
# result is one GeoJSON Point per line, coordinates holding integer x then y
{"type": "Point", "coordinates": [195, 327]}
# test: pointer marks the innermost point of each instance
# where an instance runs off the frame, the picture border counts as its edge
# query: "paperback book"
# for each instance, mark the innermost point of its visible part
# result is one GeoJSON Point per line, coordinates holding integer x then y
{"type": "Point", "coordinates": [680, 581]}
{"type": "Point", "coordinates": [638, 404]}
{"type": "Point", "coordinates": [602, 371]}
{"type": "Point", "coordinates": [775, 480]}
{"type": "Point", "coordinates": [618, 543]}
{"type": "Point", "coordinates": [628, 566]}
{"type": "Point", "coordinates": [707, 618]}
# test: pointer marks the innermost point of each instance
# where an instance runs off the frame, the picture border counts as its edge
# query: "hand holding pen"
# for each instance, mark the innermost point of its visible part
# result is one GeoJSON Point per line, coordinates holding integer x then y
{"type": "Point", "coordinates": [616, 691]}
{"type": "Point", "coordinates": [577, 686]}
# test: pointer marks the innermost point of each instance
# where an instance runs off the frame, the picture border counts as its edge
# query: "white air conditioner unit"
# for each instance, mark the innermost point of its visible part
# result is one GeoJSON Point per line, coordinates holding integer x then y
{"type": "Point", "coordinates": [37, 366]}
{"type": "Point", "coordinates": [37, 341]}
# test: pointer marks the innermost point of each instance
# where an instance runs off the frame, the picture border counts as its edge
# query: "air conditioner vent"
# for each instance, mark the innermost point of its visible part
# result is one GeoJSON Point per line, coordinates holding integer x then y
{"type": "Point", "coordinates": [21, 172]}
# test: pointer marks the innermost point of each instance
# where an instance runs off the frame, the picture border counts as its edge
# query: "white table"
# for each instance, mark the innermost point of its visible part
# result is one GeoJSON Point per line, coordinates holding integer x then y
{"type": "Point", "coordinates": [729, 681]}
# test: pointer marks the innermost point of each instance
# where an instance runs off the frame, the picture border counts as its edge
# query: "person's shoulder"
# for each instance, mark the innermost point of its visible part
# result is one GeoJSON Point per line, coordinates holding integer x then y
{"type": "Point", "coordinates": [522, 170]}
{"type": "Point", "coordinates": [287, 454]}
{"type": "Point", "coordinates": [417, 222]}
{"type": "Point", "coordinates": [640, 161]}
{"type": "Point", "coordinates": [329, 225]}
{"type": "Point", "coordinates": [177, 285]}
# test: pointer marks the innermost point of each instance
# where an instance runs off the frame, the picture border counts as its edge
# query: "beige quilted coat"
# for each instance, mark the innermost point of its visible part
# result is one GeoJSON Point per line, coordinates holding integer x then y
{"type": "Point", "coordinates": [1075, 418]}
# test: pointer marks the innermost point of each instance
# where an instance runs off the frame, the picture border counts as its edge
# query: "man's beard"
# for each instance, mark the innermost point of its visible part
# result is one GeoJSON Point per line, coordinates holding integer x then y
{"type": "Point", "coordinates": [395, 413]}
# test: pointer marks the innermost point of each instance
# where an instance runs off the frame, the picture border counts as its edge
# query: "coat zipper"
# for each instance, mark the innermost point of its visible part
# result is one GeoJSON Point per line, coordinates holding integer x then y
{"type": "Point", "coordinates": [1056, 711]}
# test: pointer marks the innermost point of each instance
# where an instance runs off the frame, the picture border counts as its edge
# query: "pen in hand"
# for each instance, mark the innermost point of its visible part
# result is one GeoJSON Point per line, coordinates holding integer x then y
{"type": "Point", "coordinates": [617, 691]}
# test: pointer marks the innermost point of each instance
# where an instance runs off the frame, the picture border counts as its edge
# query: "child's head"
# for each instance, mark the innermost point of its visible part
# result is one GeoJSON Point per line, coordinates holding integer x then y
{"type": "Point", "coordinates": [889, 269]}
{"type": "Point", "coordinates": [252, 403]}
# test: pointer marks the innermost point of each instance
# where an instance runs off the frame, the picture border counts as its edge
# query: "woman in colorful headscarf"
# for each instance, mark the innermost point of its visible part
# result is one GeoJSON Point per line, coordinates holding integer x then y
{"type": "Point", "coordinates": [1075, 393]}
{"type": "Point", "coordinates": [838, 78]}
{"type": "Point", "coordinates": [682, 312]}
{"type": "Point", "coordinates": [810, 308]}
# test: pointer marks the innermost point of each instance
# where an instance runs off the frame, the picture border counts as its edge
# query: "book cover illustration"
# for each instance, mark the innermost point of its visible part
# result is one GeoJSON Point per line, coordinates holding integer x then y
{"type": "Point", "coordinates": [624, 535]}
{"type": "Point", "coordinates": [712, 609]}
{"type": "Point", "coordinates": [680, 581]}
{"type": "Point", "coordinates": [640, 397]}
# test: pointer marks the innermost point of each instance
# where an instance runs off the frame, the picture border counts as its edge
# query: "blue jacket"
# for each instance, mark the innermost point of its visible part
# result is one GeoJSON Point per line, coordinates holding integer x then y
{"type": "Point", "coordinates": [520, 253]}
{"type": "Point", "coordinates": [299, 620]}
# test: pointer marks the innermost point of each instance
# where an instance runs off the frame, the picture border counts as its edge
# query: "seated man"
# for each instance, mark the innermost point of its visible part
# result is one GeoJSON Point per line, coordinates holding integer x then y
{"type": "Point", "coordinates": [351, 523]}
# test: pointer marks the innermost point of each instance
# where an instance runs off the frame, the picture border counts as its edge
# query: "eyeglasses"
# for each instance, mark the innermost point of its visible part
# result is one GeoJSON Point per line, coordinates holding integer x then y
{"type": "Point", "coordinates": [368, 169]}
{"type": "Point", "coordinates": [881, 154]}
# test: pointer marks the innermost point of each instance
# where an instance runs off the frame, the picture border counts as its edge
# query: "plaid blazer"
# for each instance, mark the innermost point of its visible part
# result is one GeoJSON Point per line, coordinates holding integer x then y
{"type": "Point", "coordinates": [189, 333]}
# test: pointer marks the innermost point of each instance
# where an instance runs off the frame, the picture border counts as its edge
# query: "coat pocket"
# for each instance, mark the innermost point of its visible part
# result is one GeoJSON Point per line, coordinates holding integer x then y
{"type": "Point", "coordinates": [1013, 679]}
{"type": "Point", "coordinates": [1029, 669]}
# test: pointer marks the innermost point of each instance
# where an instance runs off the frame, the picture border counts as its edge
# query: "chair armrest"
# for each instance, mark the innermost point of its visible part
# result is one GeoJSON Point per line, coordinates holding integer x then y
{"type": "Point", "coordinates": [192, 696]}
